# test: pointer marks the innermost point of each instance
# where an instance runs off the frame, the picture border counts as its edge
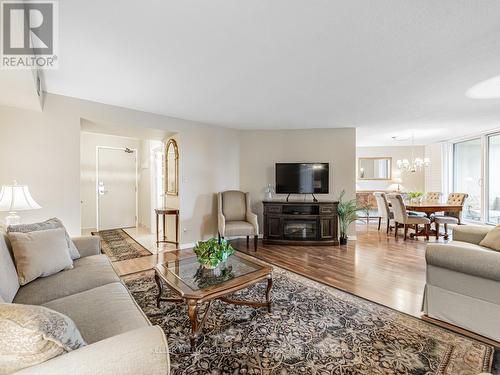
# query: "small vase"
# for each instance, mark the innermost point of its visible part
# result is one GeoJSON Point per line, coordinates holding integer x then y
{"type": "Point", "coordinates": [343, 240]}
{"type": "Point", "coordinates": [210, 267]}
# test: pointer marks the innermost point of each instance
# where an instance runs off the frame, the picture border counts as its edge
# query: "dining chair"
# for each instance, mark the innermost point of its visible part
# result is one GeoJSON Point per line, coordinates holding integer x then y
{"type": "Point", "coordinates": [384, 210]}
{"type": "Point", "coordinates": [457, 199]}
{"type": "Point", "coordinates": [402, 219]}
{"type": "Point", "coordinates": [432, 197]}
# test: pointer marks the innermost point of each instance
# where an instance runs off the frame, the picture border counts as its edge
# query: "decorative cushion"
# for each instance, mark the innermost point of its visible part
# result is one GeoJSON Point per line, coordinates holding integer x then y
{"type": "Point", "coordinates": [9, 282]}
{"type": "Point", "coordinates": [44, 225]}
{"type": "Point", "coordinates": [492, 239]}
{"type": "Point", "coordinates": [34, 334]}
{"type": "Point", "coordinates": [40, 253]}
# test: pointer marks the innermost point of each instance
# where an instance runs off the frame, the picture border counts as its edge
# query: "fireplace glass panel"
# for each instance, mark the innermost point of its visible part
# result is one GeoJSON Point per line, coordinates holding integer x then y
{"type": "Point", "coordinates": [300, 229]}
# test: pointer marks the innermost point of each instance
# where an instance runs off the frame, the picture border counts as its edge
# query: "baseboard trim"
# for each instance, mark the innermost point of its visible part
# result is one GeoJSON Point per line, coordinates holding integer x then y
{"type": "Point", "coordinates": [187, 245]}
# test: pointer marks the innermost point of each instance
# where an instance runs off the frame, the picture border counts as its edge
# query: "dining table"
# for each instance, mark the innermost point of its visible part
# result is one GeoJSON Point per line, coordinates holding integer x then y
{"type": "Point", "coordinates": [430, 208]}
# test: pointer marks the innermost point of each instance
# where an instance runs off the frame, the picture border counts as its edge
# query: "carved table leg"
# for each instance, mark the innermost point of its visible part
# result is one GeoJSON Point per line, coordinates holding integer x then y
{"type": "Point", "coordinates": [160, 289]}
{"type": "Point", "coordinates": [193, 317]}
{"type": "Point", "coordinates": [268, 293]}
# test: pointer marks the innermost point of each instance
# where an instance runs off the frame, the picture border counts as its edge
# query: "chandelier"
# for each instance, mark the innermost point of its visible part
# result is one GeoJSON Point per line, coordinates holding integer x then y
{"type": "Point", "coordinates": [414, 164]}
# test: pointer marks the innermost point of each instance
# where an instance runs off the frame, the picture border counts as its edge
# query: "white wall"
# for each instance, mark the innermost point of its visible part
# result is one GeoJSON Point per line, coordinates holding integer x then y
{"type": "Point", "coordinates": [145, 176]}
{"type": "Point", "coordinates": [435, 175]}
{"type": "Point", "coordinates": [42, 149]}
{"type": "Point", "coordinates": [261, 149]}
{"type": "Point", "coordinates": [410, 181]}
{"type": "Point", "coordinates": [88, 144]}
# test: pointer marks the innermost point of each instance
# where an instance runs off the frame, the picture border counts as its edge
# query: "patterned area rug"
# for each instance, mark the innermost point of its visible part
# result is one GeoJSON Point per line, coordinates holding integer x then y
{"type": "Point", "coordinates": [313, 329]}
{"type": "Point", "coordinates": [118, 245]}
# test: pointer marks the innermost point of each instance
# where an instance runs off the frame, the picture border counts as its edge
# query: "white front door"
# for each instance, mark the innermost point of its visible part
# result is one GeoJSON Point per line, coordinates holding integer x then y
{"type": "Point", "coordinates": [116, 188]}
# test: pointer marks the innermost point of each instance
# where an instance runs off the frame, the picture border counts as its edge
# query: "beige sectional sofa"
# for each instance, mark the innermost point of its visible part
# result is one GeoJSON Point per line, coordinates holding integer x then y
{"type": "Point", "coordinates": [120, 338]}
{"type": "Point", "coordinates": [463, 282]}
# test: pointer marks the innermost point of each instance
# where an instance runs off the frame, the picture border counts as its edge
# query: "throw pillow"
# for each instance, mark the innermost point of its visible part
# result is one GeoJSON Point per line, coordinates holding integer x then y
{"type": "Point", "coordinates": [34, 334]}
{"type": "Point", "coordinates": [44, 225]}
{"type": "Point", "coordinates": [40, 253]}
{"type": "Point", "coordinates": [492, 239]}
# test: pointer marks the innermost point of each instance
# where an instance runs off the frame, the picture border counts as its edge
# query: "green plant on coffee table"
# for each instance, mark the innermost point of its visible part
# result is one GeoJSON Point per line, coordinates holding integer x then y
{"type": "Point", "coordinates": [211, 252]}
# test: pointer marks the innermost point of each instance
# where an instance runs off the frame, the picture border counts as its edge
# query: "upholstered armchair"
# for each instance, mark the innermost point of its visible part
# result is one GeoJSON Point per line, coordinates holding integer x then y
{"type": "Point", "coordinates": [235, 217]}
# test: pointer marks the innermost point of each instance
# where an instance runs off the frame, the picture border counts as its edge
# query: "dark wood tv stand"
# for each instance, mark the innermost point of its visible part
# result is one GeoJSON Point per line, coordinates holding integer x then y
{"type": "Point", "coordinates": [301, 223]}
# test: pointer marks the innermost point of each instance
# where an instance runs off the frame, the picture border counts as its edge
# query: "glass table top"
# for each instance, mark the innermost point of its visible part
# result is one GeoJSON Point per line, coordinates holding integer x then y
{"type": "Point", "coordinates": [194, 275]}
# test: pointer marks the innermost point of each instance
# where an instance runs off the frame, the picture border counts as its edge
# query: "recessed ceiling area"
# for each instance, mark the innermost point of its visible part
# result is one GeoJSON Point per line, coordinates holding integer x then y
{"type": "Point", "coordinates": [385, 67]}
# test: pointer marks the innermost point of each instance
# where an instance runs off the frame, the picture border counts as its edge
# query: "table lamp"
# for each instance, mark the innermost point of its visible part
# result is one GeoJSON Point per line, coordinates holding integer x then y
{"type": "Point", "coordinates": [14, 198]}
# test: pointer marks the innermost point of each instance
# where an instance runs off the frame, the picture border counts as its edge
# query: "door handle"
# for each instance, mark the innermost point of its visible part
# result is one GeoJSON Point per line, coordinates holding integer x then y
{"type": "Point", "coordinates": [100, 189]}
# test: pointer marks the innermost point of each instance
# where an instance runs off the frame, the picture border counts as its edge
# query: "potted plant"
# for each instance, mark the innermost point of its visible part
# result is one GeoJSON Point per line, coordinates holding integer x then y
{"type": "Point", "coordinates": [415, 196]}
{"type": "Point", "coordinates": [212, 252]}
{"type": "Point", "coordinates": [347, 211]}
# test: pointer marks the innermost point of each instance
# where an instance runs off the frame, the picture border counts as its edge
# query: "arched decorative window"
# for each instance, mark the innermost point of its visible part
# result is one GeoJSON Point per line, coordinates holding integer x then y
{"type": "Point", "coordinates": [172, 168]}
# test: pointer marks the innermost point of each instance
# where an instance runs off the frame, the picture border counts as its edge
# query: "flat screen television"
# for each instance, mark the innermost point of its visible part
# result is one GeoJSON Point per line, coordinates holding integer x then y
{"type": "Point", "coordinates": [302, 178]}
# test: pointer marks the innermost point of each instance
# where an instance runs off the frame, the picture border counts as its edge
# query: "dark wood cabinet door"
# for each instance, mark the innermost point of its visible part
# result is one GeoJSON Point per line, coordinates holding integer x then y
{"type": "Point", "coordinates": [274, 229]}
{"type": "Point", "coordinates": [326, 227]}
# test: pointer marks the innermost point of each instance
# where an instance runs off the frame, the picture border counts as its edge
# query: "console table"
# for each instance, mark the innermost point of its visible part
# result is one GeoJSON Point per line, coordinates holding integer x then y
{"type": "Point", "coordinates": [301, 223]}
{"type": "Point", "coordinates": [163, 212]}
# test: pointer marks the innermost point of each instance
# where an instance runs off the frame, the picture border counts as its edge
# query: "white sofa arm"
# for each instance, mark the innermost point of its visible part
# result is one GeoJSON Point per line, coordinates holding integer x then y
{"type": "Point", "coordinates": [88, 245]}
{"type": "Point", "coordinates": [470, 233]}
{"type": "Point", "coordinates": [139, 352]}
{"type": "Point", "coordinates": [465, 258]}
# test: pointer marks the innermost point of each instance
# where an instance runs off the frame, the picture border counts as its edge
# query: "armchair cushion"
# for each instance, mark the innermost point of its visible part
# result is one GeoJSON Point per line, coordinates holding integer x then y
{"type": "Point", "coordinates": [234, 205]}
{"type": "Point", "coordinates": [240, 228]}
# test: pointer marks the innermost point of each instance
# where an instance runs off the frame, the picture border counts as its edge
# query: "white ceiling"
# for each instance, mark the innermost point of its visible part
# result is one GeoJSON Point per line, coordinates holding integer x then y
{"type": "Point", "coordinates": [383, 66]}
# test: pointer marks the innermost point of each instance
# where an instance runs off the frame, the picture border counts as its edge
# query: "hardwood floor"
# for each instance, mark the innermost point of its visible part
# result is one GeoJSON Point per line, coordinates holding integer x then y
{"type": "Point", "coordinates": [377, 267]}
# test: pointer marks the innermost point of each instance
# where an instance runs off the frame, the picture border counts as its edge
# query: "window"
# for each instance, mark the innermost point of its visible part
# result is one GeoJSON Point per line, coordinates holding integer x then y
{"type": "Point", "coordinates": [494, 179]}
{"type": "Point", "coordinates": [467, 176]}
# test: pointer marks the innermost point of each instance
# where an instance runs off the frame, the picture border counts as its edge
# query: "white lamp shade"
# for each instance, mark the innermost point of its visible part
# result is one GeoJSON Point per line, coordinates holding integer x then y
{"type": "Point", "coordinates": [15, 198]}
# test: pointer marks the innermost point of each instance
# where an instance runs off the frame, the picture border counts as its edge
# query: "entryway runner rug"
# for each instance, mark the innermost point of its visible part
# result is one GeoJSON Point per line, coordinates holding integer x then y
{"type": "Point", "coordinates": [313, 329]}
{"type": "Point", "coordinates": [118, 245]}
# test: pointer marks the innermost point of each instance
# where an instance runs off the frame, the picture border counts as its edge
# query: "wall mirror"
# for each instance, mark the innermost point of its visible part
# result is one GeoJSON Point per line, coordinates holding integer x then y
{"type": "Point", "coordinates": [172, 168]}
{"type": "Point", "coordinates": [374, 168]}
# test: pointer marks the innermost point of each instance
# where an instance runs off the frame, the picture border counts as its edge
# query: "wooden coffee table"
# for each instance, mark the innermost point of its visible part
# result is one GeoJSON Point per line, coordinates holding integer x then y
{"type": "Point", "coordinates": [196, 285]}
